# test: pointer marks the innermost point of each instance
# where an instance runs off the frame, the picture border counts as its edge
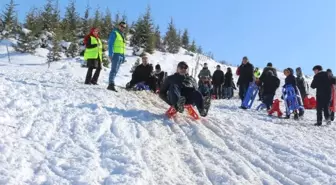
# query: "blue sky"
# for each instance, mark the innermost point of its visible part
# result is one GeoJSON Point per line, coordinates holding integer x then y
{"type": "Point", "coordinates": [288, 33]}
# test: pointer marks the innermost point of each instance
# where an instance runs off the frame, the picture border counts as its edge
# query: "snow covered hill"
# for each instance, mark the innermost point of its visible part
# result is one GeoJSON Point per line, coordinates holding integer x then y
{"type": "Point", "coordinates": [56, 130]}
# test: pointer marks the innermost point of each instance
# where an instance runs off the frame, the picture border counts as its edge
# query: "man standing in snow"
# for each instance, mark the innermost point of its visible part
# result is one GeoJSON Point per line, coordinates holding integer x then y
{"type": "Point", "coordinates": [116, 47]}
{"type": "Point", "coordinates": [204, 73]}
{"type": "Point", "coordinates": [301, 83]}
{"type": "Point", "coordinates": [333, 81]}
{"type": "Point", "coordinates": [322, 83]}
{"type": "Point", "coordinates": [246, 76]}
{"type": "Point", "coordinates": [218, 82]}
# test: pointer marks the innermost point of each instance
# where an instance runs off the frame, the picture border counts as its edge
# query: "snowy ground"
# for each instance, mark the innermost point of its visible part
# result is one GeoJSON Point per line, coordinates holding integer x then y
{"type": "Point", "coordinates": [69, 133]}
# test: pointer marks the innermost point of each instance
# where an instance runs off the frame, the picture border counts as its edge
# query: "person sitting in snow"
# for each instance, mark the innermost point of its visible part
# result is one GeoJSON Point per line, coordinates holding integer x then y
{"type": "Point", "coordinates": [205, 86]}
{"type": "Point", "coordinates": [143, 73]}
{"type": "Point", "coordinates": [180, 89]}
{"type": "Point", "coordinates": [159, 75]}
{"type": "Point", "coordinates": [270, 84]}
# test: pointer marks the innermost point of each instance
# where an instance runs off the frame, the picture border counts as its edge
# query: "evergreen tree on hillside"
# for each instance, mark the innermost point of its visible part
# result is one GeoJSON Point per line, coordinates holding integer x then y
{"type": "Point", "coordinates": [9, 20]}
{"type": "Point", "coordinates": [117, 19]}
{"type": "Point", "coordinates": [70, 22]}
{"type": "Point", "coordinates": [97, 21]}
{"type": "Point", "coordinates": [179, 36]}
{"type": "Point", "coordinates": [199, 50]}
{"type": "Point", "coordinates": [73, 50]}
{"type": "Point", "coordinates": [86, 22]}
{"type": "Point", "coordinates": [27, 42]}
{"type": "Point", "coordinates": [107, 25]}
{"type": "Point", "coordinates": [185, 39]}
{"type": "Point", "coordinates": [50, 16]}
{"type": "Point", "coordinates": [143, 34]}
{"type": "Point", "coordinates": [171, 40]}
{"type": "Point", "coordinates": [32, 21]}
{"type": "Point", "coordinates": [193, 47]}
{"type": "Point", "coordinates": [158, 41]}
{"type": "Point", "coordinates": [55, 52]}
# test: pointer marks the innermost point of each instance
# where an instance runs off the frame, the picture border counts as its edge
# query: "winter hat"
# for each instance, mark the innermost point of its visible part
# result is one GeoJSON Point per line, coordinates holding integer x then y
{"type": "Point", "coordinates": [290, 70]}
{"type": "Point", "coordinates": [158, 67]}
{"type": "Point", "coordinates": [329, 71]}
{"type": "Point", "coordinates": [182, 64]}
{"type": "Point", "coordinates": [218, 66]}
{"type": "Point", "coordinates": [269, 64]}
{"type": "Point", "coordinates": [317, 67]}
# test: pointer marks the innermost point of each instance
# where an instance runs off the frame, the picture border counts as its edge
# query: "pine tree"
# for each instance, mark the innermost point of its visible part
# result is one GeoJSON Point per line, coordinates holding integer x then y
{"type": "Point", "coordinates": [97, 19]}
{"type": "Point", "coordinates": [171, 39]}
{"type": "Point", "coordinates": [108, 25]}
{"type": "Point", "coordinates": [48, 19]}
{"type": "Point", "coordinates": [55, 52]}
{"type": "Point", "coordinates": [117, 19]}
{"type": "Point", "coordinates": [200, 50]}
{"type": "Point", "coordinates": [10, 23]}
{"type": "Point", "coordinates": [158, 41]}
{"type": "Point", "coordinates": [144, 35]}
{"type": "Point", "coordinates": [86, 22]}
{"type": "Point", "coordinates": [193, 47]}
{"type": "Point", "coordinates": [73, 50]}
{"type": "Point", "coordinates": [32, 21]}
{"type": "Point", "coordinates": [70, 22]}
{"type": "Point", "coordinates": [185, 39]}
{"type": "Point", "coordinates": [26, 42]}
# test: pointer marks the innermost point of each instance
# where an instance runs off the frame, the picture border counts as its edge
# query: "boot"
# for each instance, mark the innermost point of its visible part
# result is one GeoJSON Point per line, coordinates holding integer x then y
{"type": "Point", "coordinates": [328, 121]}
{"type": "Point", "coordinates": [207, 104]}
{"type": "Point", "coordinates": [111, 87]}
{"type": "Point", "coordinates": [318, 124]}
{"type": "Point", "coordinates": [179, 107]}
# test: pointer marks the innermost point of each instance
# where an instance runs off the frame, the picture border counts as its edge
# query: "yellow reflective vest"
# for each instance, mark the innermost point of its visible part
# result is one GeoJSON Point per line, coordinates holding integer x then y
{"type": "Point", "coordinates": [93, 53]}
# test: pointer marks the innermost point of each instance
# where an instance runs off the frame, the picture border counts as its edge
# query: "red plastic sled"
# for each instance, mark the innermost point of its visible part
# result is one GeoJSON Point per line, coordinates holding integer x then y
{"type": "Point", "coordinates": [309, 103]}
{"type": "Point", "coordinates": [333, 102]}
{"type": "Point", "coordinates": [171, 112]}
{"type": "Point", "coordinates": [275, 108]}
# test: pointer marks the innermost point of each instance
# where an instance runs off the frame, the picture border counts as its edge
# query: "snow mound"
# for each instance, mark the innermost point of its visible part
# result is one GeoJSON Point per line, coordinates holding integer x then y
{"type": "Point", "coordinates": [56, 130]}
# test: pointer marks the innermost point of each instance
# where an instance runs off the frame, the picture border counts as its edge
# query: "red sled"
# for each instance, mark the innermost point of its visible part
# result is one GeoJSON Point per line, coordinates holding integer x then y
{"type": "Point", "coordinates": [309, 103]}
{"type": "Point", "coordinates": [275, 108]}
{"type": "Point", "coordinates": [171, 112]}
{"type": "Point", "coordinates": [333, 102]}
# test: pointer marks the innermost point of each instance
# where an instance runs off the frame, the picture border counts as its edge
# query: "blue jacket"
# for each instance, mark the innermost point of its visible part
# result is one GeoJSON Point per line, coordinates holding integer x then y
{"type": "Point", "coordinates": [112, 38]}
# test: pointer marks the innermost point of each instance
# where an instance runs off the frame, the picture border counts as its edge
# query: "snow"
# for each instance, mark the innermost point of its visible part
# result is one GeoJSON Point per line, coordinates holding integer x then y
{"type": "Point", "coordinates": [56, 130]}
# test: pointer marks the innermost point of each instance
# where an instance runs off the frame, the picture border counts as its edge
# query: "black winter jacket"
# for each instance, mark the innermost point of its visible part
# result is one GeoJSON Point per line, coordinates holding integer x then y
{"type": "Point", "coordinates": [141, 73]}
{"type": "Point", "coordinates": [270, 84]}
{"type": "Point", "coordinates": [322, 83]}
{"type": "Point", "coordinates": [228, 80]}
{"type": "Point", "coordinates": [185, 82]}
{"type": "Point", "coordinates": [218, 77]}
{"type": "Point", "coordinates": [246, 74]}
{"type": "Point", "coordinates": [266, 69]}
{"type": "Point", "coordinates": [290, 80]}
{"type": "Point", "coordinates": [302, 86]}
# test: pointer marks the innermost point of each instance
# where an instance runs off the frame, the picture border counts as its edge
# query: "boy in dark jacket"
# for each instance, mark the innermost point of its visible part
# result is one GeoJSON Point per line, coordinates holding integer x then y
{"type": "Point", "coordinates": [228, 84]}
{"type": "Point", "coordinates": [270, 84]}
{"type": "Point", "coordinates": [333, 82]}
{"type": "Point", "coordinates": [301, 83]}
{"type": "Point", "coordinates": [180, 89]}
{"type": "Point", "coordinates": [217, 82]}
{"type": "Point", "coordinates": [246, 76]}
{"type": "Point", "coordinates": [159, 76]}
{"type": "Point", "coordinates": [143, 73]}
{"type": "Point", "coordinates": [322, 83]}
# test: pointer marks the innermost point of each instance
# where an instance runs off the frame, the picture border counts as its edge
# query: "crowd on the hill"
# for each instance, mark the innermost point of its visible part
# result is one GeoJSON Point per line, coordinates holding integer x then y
{"type": "Point", "coordinates": [181, 88]}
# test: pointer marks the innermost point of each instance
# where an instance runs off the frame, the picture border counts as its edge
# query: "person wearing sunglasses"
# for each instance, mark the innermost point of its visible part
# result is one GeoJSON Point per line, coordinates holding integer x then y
{"type": "Point", "coordinates": [180, 89]}
{"type": "Point", "coordinates": [116, 48]}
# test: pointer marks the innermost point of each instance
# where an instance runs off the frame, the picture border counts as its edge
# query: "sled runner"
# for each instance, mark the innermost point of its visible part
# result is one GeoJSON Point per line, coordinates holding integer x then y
{"type": "Point", "coordinates": [250, 95]}
{"type": "Point", "coordinates": [171, 112]}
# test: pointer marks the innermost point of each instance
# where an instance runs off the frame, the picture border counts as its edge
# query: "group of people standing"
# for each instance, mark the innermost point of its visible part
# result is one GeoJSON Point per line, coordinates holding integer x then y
{"type": "Point", "coordinates": [94, 52]}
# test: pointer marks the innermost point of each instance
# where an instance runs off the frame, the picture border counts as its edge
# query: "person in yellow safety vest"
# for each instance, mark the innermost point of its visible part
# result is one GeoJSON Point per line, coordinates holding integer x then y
{"type": "Point", "coordinates": [93, 56]}
{"type": "Point", "coordinates": [256, 73]}
{"type": "Point", "coordinates": [116, 47]}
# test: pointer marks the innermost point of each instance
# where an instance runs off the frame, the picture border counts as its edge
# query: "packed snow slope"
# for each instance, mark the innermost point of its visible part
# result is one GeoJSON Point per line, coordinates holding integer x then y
{"type": "Point", "coordinates": [56, 130]}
